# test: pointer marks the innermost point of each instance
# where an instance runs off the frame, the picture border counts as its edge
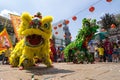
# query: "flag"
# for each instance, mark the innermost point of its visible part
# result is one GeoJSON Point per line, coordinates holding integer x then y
{"type": "Point", "coordinates": [16, 20]}
{"type": "Point", "coordinates": [4, 40]}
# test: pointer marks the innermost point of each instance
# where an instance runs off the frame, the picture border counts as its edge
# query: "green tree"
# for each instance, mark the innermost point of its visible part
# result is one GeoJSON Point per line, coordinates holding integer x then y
{"type": "Point", "coordinates": [117, 16]}
{"type": "Point", "coordinates": [107, 20]}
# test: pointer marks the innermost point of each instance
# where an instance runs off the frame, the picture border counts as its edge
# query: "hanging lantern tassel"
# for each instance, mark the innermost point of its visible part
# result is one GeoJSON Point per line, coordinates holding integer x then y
{"type": "Point", "coordinates": [74, 18]}
{"type": "Point", "coordinates": [113, 26]}
{"type": "Point", "coordinates": [108, 0]}
{"type": "Point", "coordinates": [91, 9]}
{"type": "Point", "coordinates": [66, 21]}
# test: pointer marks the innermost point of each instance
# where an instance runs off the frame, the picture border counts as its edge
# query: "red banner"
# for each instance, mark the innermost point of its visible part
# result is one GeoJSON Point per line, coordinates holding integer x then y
{"type": "Point", "coordinates": [15, 22]}
{"type": "Point", "coordinates": [4, 40]}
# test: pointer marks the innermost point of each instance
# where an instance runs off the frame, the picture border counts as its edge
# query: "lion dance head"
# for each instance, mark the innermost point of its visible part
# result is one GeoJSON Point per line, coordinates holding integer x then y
{"type": "Point", "coordinates": [36, 32]}
{"type": "Point", "coordinates": [35, 29]}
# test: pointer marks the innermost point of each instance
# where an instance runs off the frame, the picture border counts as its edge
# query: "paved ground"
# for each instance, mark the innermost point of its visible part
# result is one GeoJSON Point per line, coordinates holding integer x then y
{"type": "Point", "coordinates": [64, 71]}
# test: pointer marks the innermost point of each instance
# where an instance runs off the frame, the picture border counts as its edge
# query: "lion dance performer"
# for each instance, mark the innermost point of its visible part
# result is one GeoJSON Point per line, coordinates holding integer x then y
{"type": "Point", "coordinates": [36, 32]}
{"type": "Point", "coordinates": [79, 47]}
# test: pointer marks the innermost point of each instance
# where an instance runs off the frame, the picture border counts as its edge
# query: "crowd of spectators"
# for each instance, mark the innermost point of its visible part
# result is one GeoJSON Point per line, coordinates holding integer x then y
{"type": "Point", "coordinates": [106, 51]}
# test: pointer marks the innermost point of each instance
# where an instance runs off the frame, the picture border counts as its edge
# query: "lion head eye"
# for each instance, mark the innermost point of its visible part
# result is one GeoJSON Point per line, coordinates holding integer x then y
{"type": "Point", "coordinates": [47, 25]}
{"type": "Point", "coordinates": [87, 24]}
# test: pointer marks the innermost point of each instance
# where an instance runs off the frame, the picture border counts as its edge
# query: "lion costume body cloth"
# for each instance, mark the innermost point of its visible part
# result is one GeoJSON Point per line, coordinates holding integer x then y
{"type": "Point", "coordinates": [36, 32]}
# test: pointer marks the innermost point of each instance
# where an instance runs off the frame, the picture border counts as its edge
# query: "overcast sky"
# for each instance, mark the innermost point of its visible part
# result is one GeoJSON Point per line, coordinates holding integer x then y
{"type": "Point", "coordinates": [61, 9]}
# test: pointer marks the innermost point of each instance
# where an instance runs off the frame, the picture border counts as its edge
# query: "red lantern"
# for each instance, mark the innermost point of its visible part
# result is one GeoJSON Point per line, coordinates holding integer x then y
{"type": "Point", "coordinates": [60, 25]}
{"type": "Point", "coordinates": [74, 18]}
{"type": "Point", "coordinates": [113, 26]}
{"type": "Point", "coordinates": [56, 32]}
{"type": "Point", "coordinates": [91, 9]}
{"type": "Point", "coordinates": [55, 27]}
{"type": "Point", "coordinates": [66, 21]}
{"type": "Point", "coordinates": [109, 0]}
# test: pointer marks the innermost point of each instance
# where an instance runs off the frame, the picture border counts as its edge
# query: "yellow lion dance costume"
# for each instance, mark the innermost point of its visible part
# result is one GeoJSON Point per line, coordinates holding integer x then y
{"type": "Point", "coordinates": [36, 32]}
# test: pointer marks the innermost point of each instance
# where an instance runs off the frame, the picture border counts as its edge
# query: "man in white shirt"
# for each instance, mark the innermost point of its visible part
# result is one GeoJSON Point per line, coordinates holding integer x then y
{"type": "Point", "coordinates": [91, 50]}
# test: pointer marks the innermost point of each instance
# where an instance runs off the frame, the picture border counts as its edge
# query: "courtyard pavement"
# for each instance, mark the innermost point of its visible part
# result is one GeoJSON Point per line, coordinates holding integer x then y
{"type": "Point", "coordinates": [63, 71]}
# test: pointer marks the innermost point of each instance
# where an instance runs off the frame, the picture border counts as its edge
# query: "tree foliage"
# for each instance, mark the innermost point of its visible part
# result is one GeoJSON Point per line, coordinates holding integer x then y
{"type": "Point", "coordinates": [117, 16]}
{"type": "Point", "coordinates": [108, 20]}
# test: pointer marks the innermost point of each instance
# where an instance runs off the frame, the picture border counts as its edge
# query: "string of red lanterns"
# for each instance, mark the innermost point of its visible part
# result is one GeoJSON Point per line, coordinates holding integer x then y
{"type": "Point", "coordinates": [74, 18]}
{"type": "Point", "coordinates": [91, 9]}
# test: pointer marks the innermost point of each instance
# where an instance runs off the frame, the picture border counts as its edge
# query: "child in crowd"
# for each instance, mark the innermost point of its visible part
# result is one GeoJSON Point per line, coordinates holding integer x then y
{"type": "Point", "coordinates": [6, 56]}
{"type": "Point", "coordinates": [118, 51]}
{"type": "Point", "coordinates": [115, 54]}
{"type": "Point", "coordinates": [96, 55]}
{"type": "Point", "coordinates": [101, 52]}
